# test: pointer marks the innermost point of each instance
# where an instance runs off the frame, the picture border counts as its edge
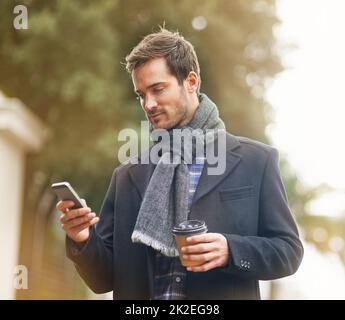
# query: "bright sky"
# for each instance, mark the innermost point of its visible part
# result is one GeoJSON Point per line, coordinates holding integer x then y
{"type": "Point", "coordinates": [309, 104]}
{"type": "Point", "coordinates": [309, 100]}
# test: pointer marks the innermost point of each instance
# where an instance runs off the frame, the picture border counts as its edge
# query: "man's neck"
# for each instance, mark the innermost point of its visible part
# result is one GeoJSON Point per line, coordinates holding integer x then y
{"type": "Point", "coordinates": [194, 104]}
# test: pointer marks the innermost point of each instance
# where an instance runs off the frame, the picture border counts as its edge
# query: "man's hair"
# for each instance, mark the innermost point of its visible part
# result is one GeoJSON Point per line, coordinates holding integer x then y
{"type": "Point", "coordinates": [178, 53]}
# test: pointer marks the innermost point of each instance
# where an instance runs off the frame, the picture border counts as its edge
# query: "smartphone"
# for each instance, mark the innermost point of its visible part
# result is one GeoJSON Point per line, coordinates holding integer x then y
{"type": "Point", "coordinates": [64, 191]}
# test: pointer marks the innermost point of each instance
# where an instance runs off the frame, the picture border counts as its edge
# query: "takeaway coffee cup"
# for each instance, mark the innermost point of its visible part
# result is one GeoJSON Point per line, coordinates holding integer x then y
{"type": "Point", "coordinates": [182, 231]}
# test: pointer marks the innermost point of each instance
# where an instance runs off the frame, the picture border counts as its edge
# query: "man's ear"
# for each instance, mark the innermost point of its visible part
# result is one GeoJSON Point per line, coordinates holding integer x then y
{"type": "Point", "coordinates": [192, 82]}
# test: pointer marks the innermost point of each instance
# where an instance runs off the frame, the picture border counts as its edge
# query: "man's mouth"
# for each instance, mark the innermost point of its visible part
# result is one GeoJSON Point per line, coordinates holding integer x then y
{"type": "Point", "coordinates": [154, 116]}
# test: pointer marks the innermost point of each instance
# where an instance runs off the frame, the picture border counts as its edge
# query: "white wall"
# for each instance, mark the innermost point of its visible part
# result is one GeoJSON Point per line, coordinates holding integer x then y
{"type": "Point", "coordinates": [11, 193]}
{"type": "Point", "coordinates": [21, 132]}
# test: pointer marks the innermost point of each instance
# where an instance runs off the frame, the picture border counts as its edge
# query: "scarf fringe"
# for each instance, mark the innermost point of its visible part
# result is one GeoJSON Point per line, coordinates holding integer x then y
{"type": "Point", "coordinates": [139, 237]}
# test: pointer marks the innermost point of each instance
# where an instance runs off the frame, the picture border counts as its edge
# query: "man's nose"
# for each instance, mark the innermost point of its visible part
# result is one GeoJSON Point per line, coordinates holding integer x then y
{"type": "Point", "coordinates": [150, 103]}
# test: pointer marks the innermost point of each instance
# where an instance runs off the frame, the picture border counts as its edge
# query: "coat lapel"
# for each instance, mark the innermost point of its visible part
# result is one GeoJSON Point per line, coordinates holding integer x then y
{"type": "Point", "coordinates": [208, 182]}
{"type": "Point", "coordinates": [141, 173]}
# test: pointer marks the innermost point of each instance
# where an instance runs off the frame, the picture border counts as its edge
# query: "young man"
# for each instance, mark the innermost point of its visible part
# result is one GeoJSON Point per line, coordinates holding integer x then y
{"type": "Point", "coordinates": [128, 249]}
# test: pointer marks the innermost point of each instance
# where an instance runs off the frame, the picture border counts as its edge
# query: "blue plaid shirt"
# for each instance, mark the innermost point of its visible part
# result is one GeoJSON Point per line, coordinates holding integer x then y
{"type": "Point", "coordinates": [169, 275]}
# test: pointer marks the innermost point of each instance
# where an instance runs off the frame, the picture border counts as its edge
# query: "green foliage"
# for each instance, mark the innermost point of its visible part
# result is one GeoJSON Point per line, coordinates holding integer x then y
{"type": "Point", "coordinates": [67, 68]}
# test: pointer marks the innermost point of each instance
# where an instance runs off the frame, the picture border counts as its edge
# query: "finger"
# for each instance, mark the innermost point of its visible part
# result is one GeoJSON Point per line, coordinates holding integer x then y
{"type": "Point", "coordinates": [205, 237]}
{"type": "Point", "coordinates": [75, 214]}
{"type": "Point", "coordinates": [63, 205]}
{"type": "Point", "coordinates": [199, 248]}
{"type": "Point", "coordinates": [84, 225]}
{"type": "Point", "coordinates": [205, 267]}
{"type": "Point", "coordinates": [79, 228]}
{"type": "Point", "coordinates": [206, 257]}
{"type": "Point", "coordinates": [94, 221]}
{"type": "Point", "coordinates": [79, 221]}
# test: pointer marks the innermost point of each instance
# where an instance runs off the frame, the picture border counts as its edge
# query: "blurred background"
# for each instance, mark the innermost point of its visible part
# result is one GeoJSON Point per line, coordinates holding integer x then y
{"type": "Point", "coordinates": [274, 68]}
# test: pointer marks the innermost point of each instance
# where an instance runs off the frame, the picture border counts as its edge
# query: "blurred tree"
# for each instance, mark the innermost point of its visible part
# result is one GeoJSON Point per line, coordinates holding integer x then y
{"type": "Point", "coordinates": [66, 67]}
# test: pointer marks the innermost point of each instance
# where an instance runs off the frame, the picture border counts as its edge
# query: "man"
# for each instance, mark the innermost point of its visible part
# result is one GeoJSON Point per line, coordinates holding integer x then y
{"type": "Point", "coordinates": [252, 234]}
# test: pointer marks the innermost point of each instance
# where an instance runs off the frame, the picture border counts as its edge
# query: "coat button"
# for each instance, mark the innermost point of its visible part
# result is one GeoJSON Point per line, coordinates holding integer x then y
{"type": "Point", "coordinates": [178, 279]}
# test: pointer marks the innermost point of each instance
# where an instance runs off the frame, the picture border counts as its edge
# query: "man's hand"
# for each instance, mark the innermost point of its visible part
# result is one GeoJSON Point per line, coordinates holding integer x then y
{"type": "Point", "coordinates": [210, 249]}
{"type": "Point", "coordinates": [76, 222]}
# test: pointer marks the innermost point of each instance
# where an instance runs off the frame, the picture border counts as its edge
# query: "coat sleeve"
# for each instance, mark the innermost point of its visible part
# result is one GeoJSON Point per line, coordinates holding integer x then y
{"type": "Point", "coordinates": [276, 251]}
{"type": "Point", "coordinates": [94, 259]}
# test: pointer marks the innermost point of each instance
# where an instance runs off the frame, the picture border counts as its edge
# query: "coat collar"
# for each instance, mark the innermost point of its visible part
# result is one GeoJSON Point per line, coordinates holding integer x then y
{"type": "Point", "coordinates": [141, 173]}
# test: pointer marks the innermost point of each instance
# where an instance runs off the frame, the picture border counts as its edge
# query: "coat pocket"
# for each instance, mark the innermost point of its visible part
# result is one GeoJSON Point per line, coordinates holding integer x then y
{"type": "Point", "coordinates": [236, 193]}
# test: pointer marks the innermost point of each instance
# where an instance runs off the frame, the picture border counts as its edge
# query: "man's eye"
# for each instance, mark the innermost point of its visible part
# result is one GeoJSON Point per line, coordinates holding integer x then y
{"type": "Point", "coordinates": [158, 90]}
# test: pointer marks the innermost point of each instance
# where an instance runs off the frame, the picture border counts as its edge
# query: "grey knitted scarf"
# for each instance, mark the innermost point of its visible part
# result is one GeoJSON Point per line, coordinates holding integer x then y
{"type": "Point", "coordinates": [165, 201]}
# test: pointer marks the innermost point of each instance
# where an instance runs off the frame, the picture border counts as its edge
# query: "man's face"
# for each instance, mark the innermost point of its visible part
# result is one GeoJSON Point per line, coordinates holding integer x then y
{"type": "Point", "coordinates": [164, 101]}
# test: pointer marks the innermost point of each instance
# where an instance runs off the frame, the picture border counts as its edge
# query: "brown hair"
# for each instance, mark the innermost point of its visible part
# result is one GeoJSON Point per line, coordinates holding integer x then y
{"type": "Point", "coordinates": [178, 53]}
